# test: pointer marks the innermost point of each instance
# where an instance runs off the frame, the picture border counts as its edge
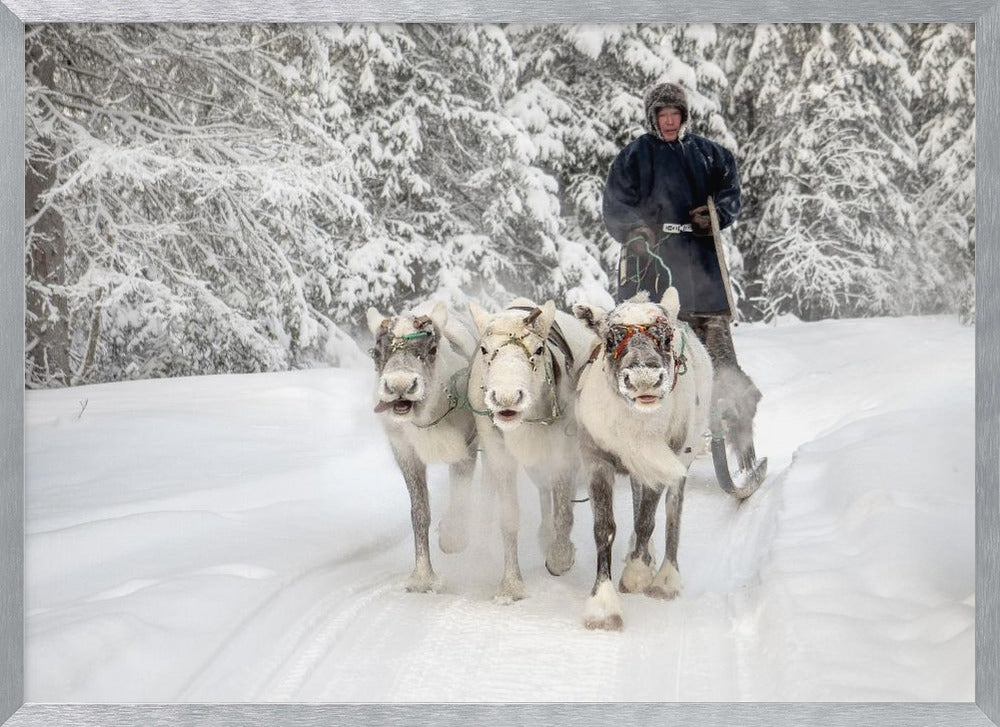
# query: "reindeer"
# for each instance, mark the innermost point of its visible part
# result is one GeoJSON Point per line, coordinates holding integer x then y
{"type": "Point", "coordinates": [643, 409]}
{"type": "Point", "coordinates": [521, 383]}
{"type": "Point", "coordinates": [421, 359]}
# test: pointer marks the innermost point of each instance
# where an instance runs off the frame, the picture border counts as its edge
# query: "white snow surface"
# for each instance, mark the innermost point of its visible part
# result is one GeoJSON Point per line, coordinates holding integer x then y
{"type": "Point", "coordinates": [246, 538]}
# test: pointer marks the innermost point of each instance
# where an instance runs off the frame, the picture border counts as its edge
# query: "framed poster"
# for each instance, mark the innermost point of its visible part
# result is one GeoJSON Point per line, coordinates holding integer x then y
{"type": "Point", "coordinates": [983, 711]}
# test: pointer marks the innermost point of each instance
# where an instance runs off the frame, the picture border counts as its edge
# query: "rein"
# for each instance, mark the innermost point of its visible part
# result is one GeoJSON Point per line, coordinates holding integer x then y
{"type": "Point", "coordinates": [652, 258]}
{"type": "Point", "coordinates": [454, 401]}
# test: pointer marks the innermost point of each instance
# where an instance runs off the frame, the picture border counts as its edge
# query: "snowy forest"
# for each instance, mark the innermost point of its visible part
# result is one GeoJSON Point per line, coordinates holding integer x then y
{"type": "Point", "coordinates": [231, 198]}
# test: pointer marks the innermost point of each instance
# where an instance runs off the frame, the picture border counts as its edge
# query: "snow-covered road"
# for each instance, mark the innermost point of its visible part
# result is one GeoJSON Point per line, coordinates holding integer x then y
{"type": "Point", "coordinates": [244, 538]}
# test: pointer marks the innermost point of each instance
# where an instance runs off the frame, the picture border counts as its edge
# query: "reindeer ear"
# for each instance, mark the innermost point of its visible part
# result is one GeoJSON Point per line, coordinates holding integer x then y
{"type": "Point", "coordinates": [375, 320]}
{"type": "Point", "coordinates": [439, 315]}
{"type": "Point", "coordinates": [671, 303]}
{"type": "Point", "coordinates": [544, 321]}
{"type": "Point", "coordinates": [480, 317]}
{"type": "Point", "coordinates": [590, 314]}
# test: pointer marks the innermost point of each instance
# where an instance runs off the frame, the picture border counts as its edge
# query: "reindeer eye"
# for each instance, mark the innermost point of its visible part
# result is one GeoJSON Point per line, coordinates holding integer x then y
{"type": "Point", "coordinates": [538, 351]}
{"type": "Point", "coordinates": [482, 350]}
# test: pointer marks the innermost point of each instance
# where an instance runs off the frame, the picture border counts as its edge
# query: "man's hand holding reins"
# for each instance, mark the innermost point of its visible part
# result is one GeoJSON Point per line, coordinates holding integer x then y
{"type": "Point", "coordinates": [640, 240]}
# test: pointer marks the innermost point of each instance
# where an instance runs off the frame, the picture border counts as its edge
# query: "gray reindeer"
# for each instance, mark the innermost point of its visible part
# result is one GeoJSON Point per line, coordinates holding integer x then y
{"type": "Point", "coordinates": [422, 358]}
{"type": "Point", "coordinates": [643, 409]}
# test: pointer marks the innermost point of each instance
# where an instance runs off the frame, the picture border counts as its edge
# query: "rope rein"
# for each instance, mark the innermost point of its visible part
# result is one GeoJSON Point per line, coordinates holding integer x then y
{"type": "Point", "coordinates": [640, 272]}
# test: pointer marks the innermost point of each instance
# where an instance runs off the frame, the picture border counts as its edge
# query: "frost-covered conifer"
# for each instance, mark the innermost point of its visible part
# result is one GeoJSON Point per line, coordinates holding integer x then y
{"type": "Point", "coordinates": [458, 205]}
{"type": "Point", "coordinates": [231, 198]}
{"type": "Point", "coordinates": [945, 124]}
{"type": "Point", "coordinates": [830, 227]}
{"type": "Point", "coordinates": [186, 183]}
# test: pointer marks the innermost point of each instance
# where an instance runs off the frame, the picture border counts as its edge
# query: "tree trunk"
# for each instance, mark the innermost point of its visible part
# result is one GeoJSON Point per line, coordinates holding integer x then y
{"type": "Point", "coordinates": [46, 324]}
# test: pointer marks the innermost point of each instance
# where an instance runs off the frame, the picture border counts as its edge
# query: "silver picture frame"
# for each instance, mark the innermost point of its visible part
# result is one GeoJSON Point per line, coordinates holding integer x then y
{"type": "Point", "coordinates": [14, 14]}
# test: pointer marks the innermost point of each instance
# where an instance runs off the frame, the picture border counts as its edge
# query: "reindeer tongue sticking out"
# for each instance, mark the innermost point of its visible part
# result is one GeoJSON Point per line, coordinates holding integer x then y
{"type": "Point", "coordinates": [399, 406]}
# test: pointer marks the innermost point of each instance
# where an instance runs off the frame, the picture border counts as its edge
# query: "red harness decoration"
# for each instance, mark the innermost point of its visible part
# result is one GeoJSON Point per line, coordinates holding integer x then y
{"type": "Point", "coordinates": [680, 362]}
{"type": "Point", "coordinates": [631, 331]}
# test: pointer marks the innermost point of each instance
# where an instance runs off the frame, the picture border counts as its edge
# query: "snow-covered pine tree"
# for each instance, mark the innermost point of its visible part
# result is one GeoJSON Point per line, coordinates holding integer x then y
{"type": "Point", "coordinates": [829, 229]}
{"type": "Point", "coordinates": [186, 180]}
{"type": "Point", "coordinates": [580, 96]}
{"type": "Point", "coordinates": [458, 205]}
{"type": "Point", "coordinates": [944, 118]}
{"type": "Point", "coordinates": [209, 198]}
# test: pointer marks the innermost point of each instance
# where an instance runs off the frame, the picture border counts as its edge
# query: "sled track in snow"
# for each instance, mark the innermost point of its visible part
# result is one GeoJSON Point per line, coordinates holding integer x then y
{"type": "Point", "coordinates": [314, 637]}
{"type": "Point", "coordinates": [282, 608]}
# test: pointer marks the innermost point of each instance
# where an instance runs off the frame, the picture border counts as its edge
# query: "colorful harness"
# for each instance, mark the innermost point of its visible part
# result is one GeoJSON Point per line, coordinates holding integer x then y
{"type": "Point", "coordinates": [401, 343]}
{"type": "Point", "coordinates": [680, 361]}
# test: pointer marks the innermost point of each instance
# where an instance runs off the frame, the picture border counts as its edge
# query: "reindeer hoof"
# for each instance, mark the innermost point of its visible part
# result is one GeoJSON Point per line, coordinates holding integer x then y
{"type": "Point", "coordinates": [560, 558]}
{"type": "Point", "coordinates": [423, 584]}
{"type": "Point", "coordinates": [664, 594]}
{"type": "Point", "coordinates": [603, 610]}
{"type": "Point", "coordinates": [611, 623]}
{"type": "Point", "coordinates": [508, 592]}
{"type": "Point", "coordinates": [666, 585]}
{"type": "Point", "coordinates": [636, 576]}
{"type": "Point", "coordinates": [452, 537]}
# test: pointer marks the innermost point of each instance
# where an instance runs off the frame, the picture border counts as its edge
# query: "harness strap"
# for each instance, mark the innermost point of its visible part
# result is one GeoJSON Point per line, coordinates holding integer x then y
{"type": "Point", "coordinates": [680, 360]}
{"type": "Point", "coordinates": [555, 337]}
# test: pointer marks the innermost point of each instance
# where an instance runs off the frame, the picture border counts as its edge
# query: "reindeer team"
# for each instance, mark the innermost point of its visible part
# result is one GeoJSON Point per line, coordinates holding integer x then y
{"type": "Point", "coordinates": [599, 393]}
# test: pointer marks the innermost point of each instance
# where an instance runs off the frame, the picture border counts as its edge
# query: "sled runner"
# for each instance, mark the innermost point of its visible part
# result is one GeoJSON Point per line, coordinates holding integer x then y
{"type": "Point", "coordinates": [750, 473]}
{"type": "Point", "coordinates": [744, 481]}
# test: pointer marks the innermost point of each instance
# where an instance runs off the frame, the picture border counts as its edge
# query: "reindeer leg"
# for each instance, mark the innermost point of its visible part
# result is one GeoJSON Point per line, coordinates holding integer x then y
{"type": "Point", "coordinates": [636, 503]}
{"type": "Point", "coordinates": [667, 582]}
{"type": "Point", "coordinates": [422, 579]}
{"type": "Point", "coordinates": [561, 553]}
{"type": "Point", "coordinates": [504, 475]}
{"type": "Point", "coordinates": [453, 531]}
{"type": "Point", "coordinates": [638, 573]}
{"type": "Point", "coordinates": [603, 610]}
{"type": "Point", "coordinates": [546, 532]}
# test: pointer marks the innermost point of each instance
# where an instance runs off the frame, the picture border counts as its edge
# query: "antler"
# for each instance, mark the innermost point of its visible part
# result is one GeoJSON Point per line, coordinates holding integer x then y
{"type": "Point", "coordinates": [421, 321]}
{"type": "Point", "coordinates": [530, 318]}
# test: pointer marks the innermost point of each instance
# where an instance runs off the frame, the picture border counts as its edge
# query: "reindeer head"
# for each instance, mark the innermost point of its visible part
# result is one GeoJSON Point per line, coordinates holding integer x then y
{"type": "Point", "coordinates": [517, 371]}
{"type": "Point", "coordinates": [637, 343]}
{"type": "Point", "coordinates": [405, 354]}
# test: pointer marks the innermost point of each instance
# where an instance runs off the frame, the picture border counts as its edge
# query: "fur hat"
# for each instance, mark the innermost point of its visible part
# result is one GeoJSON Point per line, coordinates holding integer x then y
{"type": "Point", "coordinates": [665, 95]}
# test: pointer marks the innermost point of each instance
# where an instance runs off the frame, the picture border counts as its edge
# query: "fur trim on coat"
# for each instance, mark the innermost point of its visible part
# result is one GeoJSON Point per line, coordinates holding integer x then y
{"type": "Point", "coordinates": [664, 95]}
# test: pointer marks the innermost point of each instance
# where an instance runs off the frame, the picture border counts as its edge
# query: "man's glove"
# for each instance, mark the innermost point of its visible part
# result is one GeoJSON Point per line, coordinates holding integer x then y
{"type": "Point", "coordinates": [640, 240]}
{"type": "Point", "coordinates": [701, 221]}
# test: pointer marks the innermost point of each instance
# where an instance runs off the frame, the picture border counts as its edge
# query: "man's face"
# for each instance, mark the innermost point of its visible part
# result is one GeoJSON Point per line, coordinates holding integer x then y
{"type": "Point", "coordinates": [668, 120]}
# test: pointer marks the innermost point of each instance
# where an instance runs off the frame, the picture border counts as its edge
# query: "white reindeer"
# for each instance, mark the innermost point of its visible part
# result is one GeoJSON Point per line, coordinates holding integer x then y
{"type": "Point", "coordinates": [422, 358]}
{"type": "Point", "coordinates": [521, 383]}
{"type": "Point", "coordinates": [643, 409]}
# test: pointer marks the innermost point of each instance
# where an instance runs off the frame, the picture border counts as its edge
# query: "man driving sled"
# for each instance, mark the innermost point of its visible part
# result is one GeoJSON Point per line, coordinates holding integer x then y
{"type": "Point", "coordinates": [656, 204]}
